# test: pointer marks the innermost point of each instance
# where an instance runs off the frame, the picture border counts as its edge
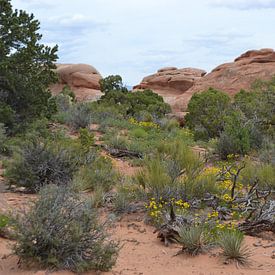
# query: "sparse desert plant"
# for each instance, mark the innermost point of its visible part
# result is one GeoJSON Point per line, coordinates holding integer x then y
{"type": "Point", "coordinates": [139, 133]}
{"type": "Point", "coordinates": [169, 124]}
{"type": "Point", "coordinates": [61, 231]}
{"type": "Point", "coordinates": [97, 174]}
{"type": "Point", "coordinates": [79, 116]}
{"type": "Point", "coordinates": [39, 164]}
{"type": "Point", "coordinates": [233, 248]}
{"type": "Point", "coordinates": [195, 239]}
{"type": "Point", "coordinates": [118, 142]}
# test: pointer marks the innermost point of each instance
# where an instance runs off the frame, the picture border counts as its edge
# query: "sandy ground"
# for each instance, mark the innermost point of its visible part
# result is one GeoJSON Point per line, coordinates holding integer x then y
{"type": "Point", "coordinates": [142, 253]}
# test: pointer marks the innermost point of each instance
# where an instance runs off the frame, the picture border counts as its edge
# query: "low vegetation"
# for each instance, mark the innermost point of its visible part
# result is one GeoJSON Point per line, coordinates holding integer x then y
{"type": "Point", "coordinates": [204, 185]}
{"type": "Point", "coordinates": [61, 231]}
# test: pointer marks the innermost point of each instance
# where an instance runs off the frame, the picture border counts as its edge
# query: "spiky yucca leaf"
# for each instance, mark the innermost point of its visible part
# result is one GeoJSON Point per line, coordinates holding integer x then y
{"type": "Point", "coordinates": [232, 244]}
{"type": "Point", "coordinates": [194, 239]}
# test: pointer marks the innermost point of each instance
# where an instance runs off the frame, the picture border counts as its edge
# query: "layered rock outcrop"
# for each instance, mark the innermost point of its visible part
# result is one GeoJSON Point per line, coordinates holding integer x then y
{"type": "Point", "coordinates": [81, 78]}
{"type": "Point", "coordinates": [178, 85]}
{"type": "Point", "coordinates": [170, 82]}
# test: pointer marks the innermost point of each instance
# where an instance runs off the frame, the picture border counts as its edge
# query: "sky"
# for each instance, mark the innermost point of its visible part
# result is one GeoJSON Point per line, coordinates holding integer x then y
{"type": "Point", "coordinates": [134, 38]}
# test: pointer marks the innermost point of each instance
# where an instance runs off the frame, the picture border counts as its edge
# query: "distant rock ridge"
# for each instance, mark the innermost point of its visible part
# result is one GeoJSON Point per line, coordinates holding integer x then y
{"type": "Point", "coordinates": [175, 85]}
{"type": "Point", "coordinates": [178, 85]}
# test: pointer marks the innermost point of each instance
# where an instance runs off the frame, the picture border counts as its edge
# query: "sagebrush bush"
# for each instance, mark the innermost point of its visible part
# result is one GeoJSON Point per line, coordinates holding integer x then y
{"type": "Point", "coordinates": [195, 239]}
{"type": "Point", "coordinates": [79, 116]}
{"type": "Point", "coordinates": [169, 124]}
{"type": "Point", "coordinates": [41, 163]}
{"type": "Point", "coordinates": [61, 231]}
{"type": "Point", "coordinates": [233, 248]}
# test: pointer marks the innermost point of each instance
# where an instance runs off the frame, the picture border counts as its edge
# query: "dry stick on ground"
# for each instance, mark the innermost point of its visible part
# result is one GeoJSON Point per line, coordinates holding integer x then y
{"type": "Point", "coordinates": [120, 153]}
{"type": "Point", "coordinates": [261, 211]}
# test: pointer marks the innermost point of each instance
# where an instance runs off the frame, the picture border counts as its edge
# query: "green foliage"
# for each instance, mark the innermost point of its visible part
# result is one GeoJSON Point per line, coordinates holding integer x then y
{"type": "Point", "coordinates": [139, 133]}
{"type": "Point", "coordinates": [61, 231]}
{"type": "Point", "coordinates": [112, 83]}
{"type": "Point", "coordinates": [25, 67]}
{"type": "Point", "coordinates": [86, 139]}
{"type": "Point", "coordinates": [140, 104]}
{"type": "Point", "coordinates": [98, 174]}
{"type": "Point", "coordinates": [4, 220]}
{"type": "Point", "coordinates": [7, 114]}
{"type": "Point", "coordinates": [206, 113]}
{"type": "Point", "coordinates": [118, 142]}
{"type": "Point", "coordinates": [171, 172]}
{"type": "Point", "coordinates": [233, 248]}
{"type": "Point", "coordinates": [267, 151]}
{"type": "Point", "coordinates": [258, 105]}
{"type": "Point", "coordinates": [195, 239]}
{"type": "Point", "coordinates": [146, 100]}
{"type": "Point", "coordinates": [3, 139]}
{"type": "Point", "coordinates": [235, 139]}
{"type": "Point", "coordinates": [169, 124]}
{"type": "Point", "coordinates": [67, 91]}
{"type": "Point", "coordinates": [263, 174]}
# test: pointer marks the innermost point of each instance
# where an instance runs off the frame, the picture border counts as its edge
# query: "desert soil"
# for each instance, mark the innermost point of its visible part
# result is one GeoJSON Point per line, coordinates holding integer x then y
{"type": "Point", "coordinates": [142, 253]}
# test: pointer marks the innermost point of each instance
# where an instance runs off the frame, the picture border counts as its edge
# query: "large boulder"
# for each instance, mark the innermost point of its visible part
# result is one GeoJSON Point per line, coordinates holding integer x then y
{"type": "Point", "coordinates": [170, 82]}
{"type": "Point", "coordinates": [234, 76]}
{"type": "Point", "coordinates": [81, 78]}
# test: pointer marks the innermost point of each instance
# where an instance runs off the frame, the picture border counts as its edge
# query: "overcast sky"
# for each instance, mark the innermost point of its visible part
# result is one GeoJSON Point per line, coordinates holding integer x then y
{"type": "Point", "coordinates": [134, 38]}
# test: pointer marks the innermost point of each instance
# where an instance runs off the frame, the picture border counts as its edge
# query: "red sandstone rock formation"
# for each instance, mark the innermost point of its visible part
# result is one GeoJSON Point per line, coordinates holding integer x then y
{"type": "Point", "coordinates": [178, 86]}
{"type": "Point", "coordinates": [81, 78]}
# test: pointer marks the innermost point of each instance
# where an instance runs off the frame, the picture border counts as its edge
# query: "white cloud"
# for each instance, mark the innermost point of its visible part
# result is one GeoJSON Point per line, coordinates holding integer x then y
{"type": "Point", "coordinates": [244, 4]}
{"type": "Point", "coordinates": [134, 38]}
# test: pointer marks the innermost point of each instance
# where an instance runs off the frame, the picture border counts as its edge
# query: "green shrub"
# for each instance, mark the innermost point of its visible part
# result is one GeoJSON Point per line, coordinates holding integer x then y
{"type": "Point", "coordinates": [139, 104]}
{"type": "Point", "coordinates": [233, 248]}
{"type": "Point", "coordinates": [4, 220]}
{"type": "Point", "coordinates": [169, 124]}
{"type": "Point", "coordinates": [263, 174]}
{"type": "Point", "coordinates": [3, 139]}
{"type": "Point", "coordinates": [206, 113]}
{"type": "Point", "coordinates": [39, 164]}
{"type": "Point", "coordinates": [171, 172]}
{"type": "Point", "coordinates": [79, 116]}
{"type": "Point", "coordinates": [118, 142]}
{"type": "Point", "coordinates": [267, 151]}
{"type": "Point", "coordinates": [61, 231]}
{"type": "Point", "coordinates": [86, 139]}
{"type": "Point", "coordinates": [235, 139]}
{"type": "Point", "coordinates": [99, 174]}
{"type": "Point", "coordinates": [139, 133]}
{"type": "Point", "coordinates": [195, 239]}
{"type": "Point", "coordinates": [111, 83]}
{"type": "Point", "coordinates": [67, 91]}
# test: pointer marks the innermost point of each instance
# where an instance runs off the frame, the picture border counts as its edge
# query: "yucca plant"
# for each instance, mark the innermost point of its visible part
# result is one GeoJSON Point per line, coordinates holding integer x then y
{"type": "Point", "coordinates": [233, 248]}
{"type": "Point", "coordinates": [195, 239]}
